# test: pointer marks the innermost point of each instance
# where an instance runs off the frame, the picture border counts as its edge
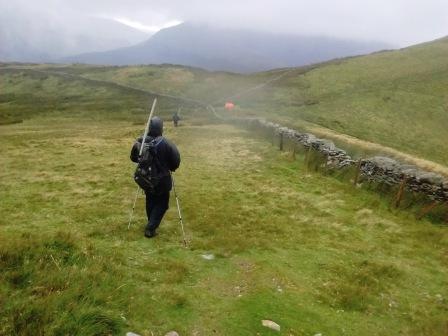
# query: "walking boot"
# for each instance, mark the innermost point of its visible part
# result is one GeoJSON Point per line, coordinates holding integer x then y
{"type": "Point", "coordinates": [150, 233]}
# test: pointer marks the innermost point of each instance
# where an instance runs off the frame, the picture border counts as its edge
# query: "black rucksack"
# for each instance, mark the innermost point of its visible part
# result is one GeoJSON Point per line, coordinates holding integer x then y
{"type": "Point", "coordinates": [147, 174]}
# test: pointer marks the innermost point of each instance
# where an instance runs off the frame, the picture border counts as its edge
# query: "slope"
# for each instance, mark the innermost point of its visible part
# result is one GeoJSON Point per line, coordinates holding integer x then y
{"type": "Point", "coordinates": [305, 250]}
{"type": "Point", "coordinates": [284, 248]}
{"type": "Point", "coordinates": [395, 99]}
{"type": "Point", "coordinates": [229, 49]}
{"type": "Point", "coordinates": [398, 99]}
{"type": "Point", "coordinates": [33, 37]}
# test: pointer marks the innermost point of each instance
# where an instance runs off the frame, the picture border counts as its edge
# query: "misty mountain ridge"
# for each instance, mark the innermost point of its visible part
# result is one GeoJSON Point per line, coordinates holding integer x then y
{"type": "Point", "coordinates": [43, 37]}
{"type": "Point", "coordinates": [233, 50]}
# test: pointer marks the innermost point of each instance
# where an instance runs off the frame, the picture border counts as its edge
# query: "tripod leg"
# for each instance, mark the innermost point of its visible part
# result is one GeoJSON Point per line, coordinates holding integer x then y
{"type": "Point", "coordinates": [180, 215]}
{"type": "Point", "coordinates": [133, 208]}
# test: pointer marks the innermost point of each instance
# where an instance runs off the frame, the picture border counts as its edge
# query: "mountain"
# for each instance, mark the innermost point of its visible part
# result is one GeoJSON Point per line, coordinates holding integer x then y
{"type": "Point", "coordinates": [32, 37]}
{"type": "Point", "coordinates": [397, 99]}
{"type": "Point", "coordinates": [228, 49]}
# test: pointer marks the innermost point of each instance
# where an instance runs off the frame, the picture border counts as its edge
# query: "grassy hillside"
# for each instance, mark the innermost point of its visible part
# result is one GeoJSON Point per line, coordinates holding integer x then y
{"type": "Point", "coordinates": [310, 252]}
{"type": "Point", "coordinates": [307, 252]}
{"type": "Point", "coordinates": [397, 99]}
{"type": "Point", "coordinates": [28, 93]}
{"type": "Point", "coordinates": [175, 80]}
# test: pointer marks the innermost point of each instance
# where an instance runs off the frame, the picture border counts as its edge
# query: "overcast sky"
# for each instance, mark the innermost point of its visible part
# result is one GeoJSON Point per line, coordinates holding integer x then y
{"type": "Point", "coordinates": [400, 22]}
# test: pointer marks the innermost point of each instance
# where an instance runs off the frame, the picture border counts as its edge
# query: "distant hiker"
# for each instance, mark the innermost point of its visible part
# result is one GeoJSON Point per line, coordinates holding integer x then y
{"type": "Point", "coordinates": [176, 119]}
{"type": "Point", "coordinates": [160, 157]}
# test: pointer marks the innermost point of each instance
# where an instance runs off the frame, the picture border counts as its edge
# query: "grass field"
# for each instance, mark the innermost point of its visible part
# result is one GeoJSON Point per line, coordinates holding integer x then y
{"type": "Point", "coordinates": [397, 99]}
{"type": "Point", "coordinates": [305, 250]}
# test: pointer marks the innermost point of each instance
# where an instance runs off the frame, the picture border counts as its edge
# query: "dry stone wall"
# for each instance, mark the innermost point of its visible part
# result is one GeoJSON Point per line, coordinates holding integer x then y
{"type": "Point", "coordinates": [380, 169]}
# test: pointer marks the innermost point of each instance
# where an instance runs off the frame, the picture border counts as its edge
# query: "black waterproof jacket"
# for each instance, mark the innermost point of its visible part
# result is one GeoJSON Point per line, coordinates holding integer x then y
{"type": "Point", "coordinates": [168, 157]}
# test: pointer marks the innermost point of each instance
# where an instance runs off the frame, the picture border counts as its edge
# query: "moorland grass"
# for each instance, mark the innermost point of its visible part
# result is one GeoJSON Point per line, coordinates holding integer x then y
{"type": "Point", "coordinates": [29, 93]}
{"type": "Point", "coordinates": [305, 250]}
{"type": "Point", "coordinates": [394, 98]}
{"type": "Point", "coordinates": [397, 99]}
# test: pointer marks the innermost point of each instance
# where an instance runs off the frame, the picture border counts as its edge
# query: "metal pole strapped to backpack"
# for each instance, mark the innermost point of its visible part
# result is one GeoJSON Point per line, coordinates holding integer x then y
{"type": "Point", "coordinates": [148, 125]}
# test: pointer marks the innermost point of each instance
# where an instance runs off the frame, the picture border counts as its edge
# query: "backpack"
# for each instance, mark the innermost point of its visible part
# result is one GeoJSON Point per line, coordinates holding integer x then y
{"type": "Point", "coordinates": [147, 174]}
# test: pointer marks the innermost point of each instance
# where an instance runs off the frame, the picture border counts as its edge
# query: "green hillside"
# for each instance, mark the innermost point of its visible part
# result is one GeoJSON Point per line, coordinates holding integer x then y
{"type": "Point", "coordinates": [169, 79]}
{"type": "Point", "coordinates": [31, 92]}
{"type": "Point", "coordinates": [397, 99]}
{"type": "Point", "coordinates": [308, 251]}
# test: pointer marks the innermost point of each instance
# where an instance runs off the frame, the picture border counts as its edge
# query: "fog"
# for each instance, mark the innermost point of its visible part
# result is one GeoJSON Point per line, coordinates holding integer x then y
{"type": "Point", "coordinates": [400, 22]}
{"type": "Point", "coordinates": [72, 24]}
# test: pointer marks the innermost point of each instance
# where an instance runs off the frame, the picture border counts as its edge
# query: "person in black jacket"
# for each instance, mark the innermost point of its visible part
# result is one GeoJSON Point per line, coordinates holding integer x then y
{"type": "Point", "coordinates": [168, 159]}
{"type": "Point", "coordinates": [176, 119]}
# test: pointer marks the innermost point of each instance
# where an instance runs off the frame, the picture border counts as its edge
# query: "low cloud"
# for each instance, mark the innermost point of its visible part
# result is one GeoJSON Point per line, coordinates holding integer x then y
{"type": "Point", "coordinates": [401, 22]}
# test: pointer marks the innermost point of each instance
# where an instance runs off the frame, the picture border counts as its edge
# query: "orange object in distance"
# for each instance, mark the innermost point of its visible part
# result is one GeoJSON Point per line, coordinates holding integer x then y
{"type": "Point", "coordinates": [229, 106]}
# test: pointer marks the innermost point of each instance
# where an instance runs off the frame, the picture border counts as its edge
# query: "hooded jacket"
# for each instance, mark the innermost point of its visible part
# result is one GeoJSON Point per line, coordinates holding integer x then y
{"type": "Point", "coordinates": [167, 154]}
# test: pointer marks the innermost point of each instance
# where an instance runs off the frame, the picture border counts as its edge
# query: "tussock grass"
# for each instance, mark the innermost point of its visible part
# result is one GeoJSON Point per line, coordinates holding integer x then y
{"type": "Point", "coordinates": [357, 287]}
{"type": "Point", "coordinates": [306, 250]}
{"type": "Point", "coordinates": [390, 103]}
{"type": "Point", "coordinates": [396, 99]}
{"type": "Point", "coordinates": [309, 251]}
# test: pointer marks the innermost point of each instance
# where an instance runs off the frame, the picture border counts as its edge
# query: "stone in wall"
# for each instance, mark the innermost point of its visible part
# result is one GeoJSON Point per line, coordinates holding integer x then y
{"type": "Point", "coordinates": [392, 172]}
{"type": "Point", "coordinates": [379, 168]}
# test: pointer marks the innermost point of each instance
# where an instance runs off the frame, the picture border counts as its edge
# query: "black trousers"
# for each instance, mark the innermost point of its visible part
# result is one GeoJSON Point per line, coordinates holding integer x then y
{"type": "Point", "coordinates": [156, 206]}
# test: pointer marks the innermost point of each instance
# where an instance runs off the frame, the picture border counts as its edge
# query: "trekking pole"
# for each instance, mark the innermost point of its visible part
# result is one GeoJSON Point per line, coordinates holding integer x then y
{"type": "Point", "coordinates": [133, 208]}
{"type": "Point", "coordinates": [140, 154]}
{"type": "Point", "coordinates": [178, 210]}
